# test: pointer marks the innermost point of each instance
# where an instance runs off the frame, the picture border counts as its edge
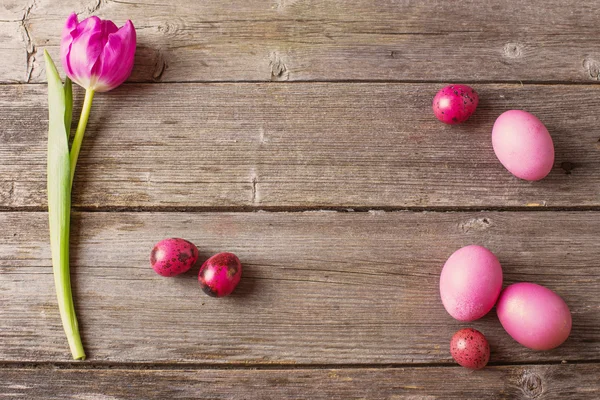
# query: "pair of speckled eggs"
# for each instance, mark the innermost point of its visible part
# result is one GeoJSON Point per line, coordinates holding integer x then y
{"type": "Point", "coordinates": [218, 276]}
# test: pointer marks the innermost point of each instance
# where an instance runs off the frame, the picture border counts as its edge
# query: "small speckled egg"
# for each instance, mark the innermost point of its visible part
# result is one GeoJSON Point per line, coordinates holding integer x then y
{"type": "Point", "coordinates": [455, 104]}
{"type": "Point", "coordinates": [173, 256]}
{"type": "Point", "coordinates": [220, 274]}
{"type": "Point", "coordinates": [470, 348]}
{"type": "Point", "coordinates": [470, 283]}
{"type": "Point", "coordinates": [534, 316]}
{"type": "Point", "coordinates": [523, 145]}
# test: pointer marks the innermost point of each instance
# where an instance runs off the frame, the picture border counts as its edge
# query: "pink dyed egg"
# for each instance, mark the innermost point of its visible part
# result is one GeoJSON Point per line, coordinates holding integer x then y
{"type": "Point", "coordinates": [523, 145]}
{"type": "Point", "coordinates": [455, 104]}
{"type": "Point", "coordinates": [470, 283]}
{"type": "Point", "coordinates": [470, 348]}
{"type": "Point", "coordinates": [220, 274]}
{"type": "Point", "coordinates": [173, 256]}
{"type": "Point", "coordinates": [534, 316]}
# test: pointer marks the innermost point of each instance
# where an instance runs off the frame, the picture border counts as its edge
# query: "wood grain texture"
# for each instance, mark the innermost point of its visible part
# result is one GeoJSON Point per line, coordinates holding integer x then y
{"type": "Point", "coordinates": [299, 145]}
{"type": "Point", "coordinates": [263, 40]}
{"type": "Point", "coordinates": [318, 287]}
{"type": "Point", "coordinates": [565, 382]}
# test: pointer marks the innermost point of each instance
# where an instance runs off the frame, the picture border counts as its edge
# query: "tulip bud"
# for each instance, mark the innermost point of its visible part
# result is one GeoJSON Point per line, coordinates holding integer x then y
{"type": "Point", "coordinates": [96, 54]}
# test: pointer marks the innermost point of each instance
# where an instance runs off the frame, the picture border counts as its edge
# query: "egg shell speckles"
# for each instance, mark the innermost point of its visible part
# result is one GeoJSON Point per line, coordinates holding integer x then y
{"type": "Point", "coordinates": [470, 283]}
{"type": "Point", "coordinates": [173, 256]}
{"type": "Point", "coordinates": [523, 145]}
{"type": "Point", "coordinates": [454, 104]}
{"type": "Point", "coordinates": [534, 316]}
{"type": "Point", "coordinates": [220, 274]}
{"type": "Point", "coordinates": [470, 348]}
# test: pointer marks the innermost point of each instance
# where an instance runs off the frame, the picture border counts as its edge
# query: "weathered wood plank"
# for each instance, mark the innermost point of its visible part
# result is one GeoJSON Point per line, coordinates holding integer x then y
{"type": "Point", "coordinates": [577, 382]}
{"type": "Point", "coordinates": [299, 145]}
{"type": "Point", "coordinates": [326, 40]}
{"type": "Point", "coordinates": [318, 287]}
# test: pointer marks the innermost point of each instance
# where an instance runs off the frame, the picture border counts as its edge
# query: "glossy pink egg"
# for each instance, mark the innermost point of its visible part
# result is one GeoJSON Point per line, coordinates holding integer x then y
{"type": "Point", "coordinates": [455, 104]}
{"type": "Point", "coordinates": [173, 256]}
{"type": "Point", "coordinates": [220, 274]}
{"type": "Point", "coordinates": [534, 316]}
{"type": "Point", "coordinates": [470, 283]}
{"type": "Point", "coordinates": [523, 145]}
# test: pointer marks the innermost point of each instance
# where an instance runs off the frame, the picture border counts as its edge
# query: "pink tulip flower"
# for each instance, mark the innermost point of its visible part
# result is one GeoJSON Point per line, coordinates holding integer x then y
{"type": "Point", "coordinates": [96, 54]}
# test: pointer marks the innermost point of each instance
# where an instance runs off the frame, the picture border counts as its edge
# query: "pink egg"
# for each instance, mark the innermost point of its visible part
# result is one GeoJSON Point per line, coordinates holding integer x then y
{"type": "Point", "coordinates": [173, 256]}
{"type": "Point", "coordinates": [470, 283]}
{"type": "Point", "coordinates": [523, 145]}
{"type": "Point", "coordinates": [455, 104]}
{"type": "Point", "coordinates": [534, 316]}
{"type": "Point", "coordinates": [470, 348]}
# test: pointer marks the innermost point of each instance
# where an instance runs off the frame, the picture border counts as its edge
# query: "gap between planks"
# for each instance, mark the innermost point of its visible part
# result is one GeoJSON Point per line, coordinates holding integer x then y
{"type": "Point", "coordinates": [134, 366]}
{"type": "Point", "coordinates": [347, 81]}
{"type": "Point", "coordinates": [283, 209]}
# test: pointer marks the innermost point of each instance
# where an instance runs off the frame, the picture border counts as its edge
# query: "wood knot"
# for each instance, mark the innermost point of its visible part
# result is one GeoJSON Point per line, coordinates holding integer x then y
{"type": "Point", "coordinates": [531, 385]}
{"type": "Point", "coordinates": [168, 28]}
{"type": "Point", "coordinates": [592, 66]}
{"type": "Point", "coordinates": [160, 66]}
{"type": "Point", "coordinates": [513, 50]}
{"type": "Point", "coordinates": [567, 167]}
{"type": "Point", "coordinates": [475, 224]}
{"type": "Point", "coordinates": [95, 6]}
{"type": "Point", "coordinates": [281, 4]}
{"type": "Point", "coordinates": [279, 71]}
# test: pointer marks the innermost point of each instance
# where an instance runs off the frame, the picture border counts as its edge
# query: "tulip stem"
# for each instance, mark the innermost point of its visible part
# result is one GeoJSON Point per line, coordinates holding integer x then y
{"type": "Point", "coordinates": [83, 120]}
{"type": "Point", "coordinates": [60, 102]}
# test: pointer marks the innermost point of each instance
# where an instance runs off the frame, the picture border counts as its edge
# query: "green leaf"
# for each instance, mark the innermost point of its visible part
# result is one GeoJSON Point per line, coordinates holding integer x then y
{"type": "Point", "coordinates": [68, 106]}
{"type": "Point", "coordinates": [59, 203]}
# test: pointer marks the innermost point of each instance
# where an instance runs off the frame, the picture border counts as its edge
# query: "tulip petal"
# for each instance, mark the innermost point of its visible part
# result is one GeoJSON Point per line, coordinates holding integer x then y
{"type": "Point", "coordinates": [85, 49]}
{"type": "Point", "coordinates": [108, 27]}
{"type": "Point", "coordinates": [67, 40]}
{"type": "Point", "coordinates": [115, 63]}
{"type": "Point", "coordinates": [70, 25]}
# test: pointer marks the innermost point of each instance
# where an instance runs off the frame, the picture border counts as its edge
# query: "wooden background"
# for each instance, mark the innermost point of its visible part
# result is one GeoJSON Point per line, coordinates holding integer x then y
{"type": "Point", "coordinates": [299, 135]}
